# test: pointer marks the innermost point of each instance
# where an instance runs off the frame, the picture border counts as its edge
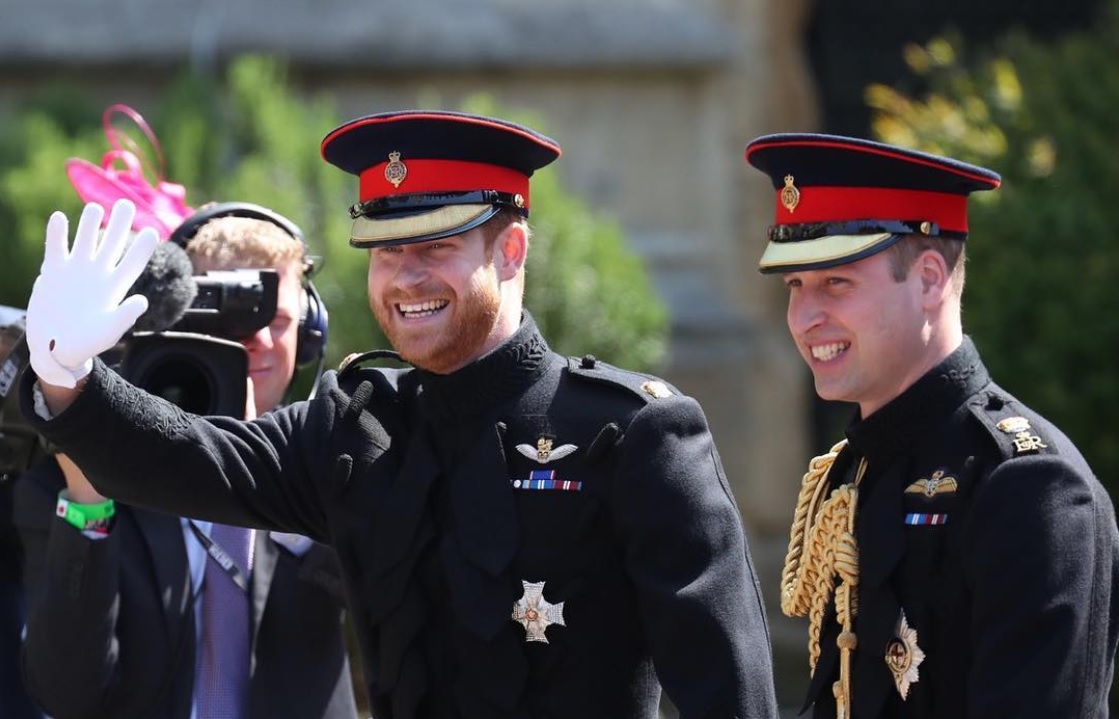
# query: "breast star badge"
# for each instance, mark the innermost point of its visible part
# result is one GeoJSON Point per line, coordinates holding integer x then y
{"type": "Point", "coordinates": [535, 613]}
{"type": "Point", "coordinates": [543, 452]}
{"type": "Point", "coordinates": [903, 656]}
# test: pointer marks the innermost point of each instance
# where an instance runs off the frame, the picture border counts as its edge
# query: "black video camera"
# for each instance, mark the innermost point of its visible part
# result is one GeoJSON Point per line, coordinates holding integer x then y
{"type": "Point", "coordinates": [199, 363]}
{"type": "Point", "coordinates": [19, 444]}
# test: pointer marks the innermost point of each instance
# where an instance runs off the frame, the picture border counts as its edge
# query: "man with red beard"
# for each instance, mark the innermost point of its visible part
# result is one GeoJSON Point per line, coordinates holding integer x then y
{"type": "Point", "coordinates": [955, 555]}
{"type": "Point", "coordinates": [522, 534]}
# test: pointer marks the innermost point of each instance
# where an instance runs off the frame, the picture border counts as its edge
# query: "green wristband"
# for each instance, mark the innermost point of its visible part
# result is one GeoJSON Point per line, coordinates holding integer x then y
{"type": "Point", "coordinates": [85, 516]}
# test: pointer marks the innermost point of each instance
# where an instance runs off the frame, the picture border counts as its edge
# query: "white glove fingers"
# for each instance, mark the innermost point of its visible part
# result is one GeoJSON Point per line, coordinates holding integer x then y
{"type": "Point", "coordinates": [57, 241]}
{"type": "Point", "coordinates": [136, 257]}
{"type": "Point", "coordinates": [117, 234]}
{"type": "Point", "coordinates": [89, 226]}
{"type": "Point", "coordinates": [125, 315]}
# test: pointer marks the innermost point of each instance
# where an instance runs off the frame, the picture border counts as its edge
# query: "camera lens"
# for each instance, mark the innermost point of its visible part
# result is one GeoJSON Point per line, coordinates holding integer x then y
{"type": "Point", "coordinates": [201, 374]}
{"type": "Point", "coordinates": [183, 381]}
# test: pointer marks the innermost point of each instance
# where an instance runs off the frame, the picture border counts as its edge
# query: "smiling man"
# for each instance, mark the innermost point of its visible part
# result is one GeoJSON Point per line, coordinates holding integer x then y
{"type": "Point", "coordinates": [955, 554]}
{"type": "Point", "coordinates": [522, 534]}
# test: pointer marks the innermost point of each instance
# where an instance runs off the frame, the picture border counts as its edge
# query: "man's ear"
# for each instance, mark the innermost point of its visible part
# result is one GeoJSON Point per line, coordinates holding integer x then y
{"type": "Point", "coordinates": [511, 250]}
{"type": "Point", "coordinates": [932, 271]}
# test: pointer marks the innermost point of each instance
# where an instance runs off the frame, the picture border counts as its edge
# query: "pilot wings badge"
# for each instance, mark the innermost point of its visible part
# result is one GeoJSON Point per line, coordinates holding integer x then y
{"type": "Point", "coordinates": [938, 483]}
{"type": "Point", "coordinates": [543, 451]}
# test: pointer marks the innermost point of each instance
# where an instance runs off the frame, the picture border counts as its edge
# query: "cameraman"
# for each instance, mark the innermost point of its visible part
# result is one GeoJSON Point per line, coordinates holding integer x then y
{"type": "Point", "coordinates": [123, 601]}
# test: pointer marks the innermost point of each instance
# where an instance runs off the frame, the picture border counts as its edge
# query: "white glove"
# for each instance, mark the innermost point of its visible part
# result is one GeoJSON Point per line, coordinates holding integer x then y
{"type": "Point", "coordinates": [76, 310]}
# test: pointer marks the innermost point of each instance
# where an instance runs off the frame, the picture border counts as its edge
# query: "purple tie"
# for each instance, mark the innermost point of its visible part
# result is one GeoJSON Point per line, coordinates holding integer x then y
{"type": "Point", "coordinates": [222, 687]}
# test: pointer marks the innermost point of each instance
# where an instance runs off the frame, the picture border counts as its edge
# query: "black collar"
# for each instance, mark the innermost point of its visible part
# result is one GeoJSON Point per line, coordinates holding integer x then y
{"type": "Point", "coordinates": [486, 382]}
{"type": "Point", "coordinates": [927, 402]}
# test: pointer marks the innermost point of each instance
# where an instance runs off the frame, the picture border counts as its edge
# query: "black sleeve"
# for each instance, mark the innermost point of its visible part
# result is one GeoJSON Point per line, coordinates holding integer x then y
{"type": "Point", "coordinates": [1040, 558]}
{"type": "Point", "coordinates": [71, 650]}
{"type": "Point", "coordinates": [685, 551]}
{"type": "Point", "coordinates": [272, 473]}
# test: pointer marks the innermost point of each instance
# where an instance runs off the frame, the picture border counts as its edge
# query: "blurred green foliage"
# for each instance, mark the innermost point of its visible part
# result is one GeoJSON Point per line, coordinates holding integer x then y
{"type": "Point", "coordinates": [1041, 297]}
{"type": "Point", "coordinates": [250, 137]}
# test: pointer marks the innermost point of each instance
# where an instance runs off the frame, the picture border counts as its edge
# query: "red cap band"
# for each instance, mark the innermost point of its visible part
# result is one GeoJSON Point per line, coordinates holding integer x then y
{"type": "Point", "coordinates": [841, 204]}
{"type": "Point", "coordinates": [422, 176]}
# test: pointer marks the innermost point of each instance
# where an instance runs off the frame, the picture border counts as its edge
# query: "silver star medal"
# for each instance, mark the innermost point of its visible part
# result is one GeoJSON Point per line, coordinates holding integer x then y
{"type": "Point", "coordinates": [535, 613]}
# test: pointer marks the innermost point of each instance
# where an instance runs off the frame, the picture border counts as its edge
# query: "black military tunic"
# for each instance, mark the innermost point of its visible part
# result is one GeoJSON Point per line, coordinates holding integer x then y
{"type": "Point", "coordinates": [531, 536]}
{"type": "Point", "coordinates": [980, 523]}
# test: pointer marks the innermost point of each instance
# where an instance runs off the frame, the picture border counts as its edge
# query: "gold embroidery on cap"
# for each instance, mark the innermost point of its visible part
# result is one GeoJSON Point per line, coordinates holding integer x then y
{"type": "Point", "coordinates": [395, 171]}
{"type": "Point", "coordinates": [790, 195]}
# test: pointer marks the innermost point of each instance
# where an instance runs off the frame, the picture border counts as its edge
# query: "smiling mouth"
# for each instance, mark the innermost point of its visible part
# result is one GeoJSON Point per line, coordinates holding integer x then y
{"type": "Point", "coordinates": [417, 310]}
{"type": "Point", "coordinates": [828, 352]}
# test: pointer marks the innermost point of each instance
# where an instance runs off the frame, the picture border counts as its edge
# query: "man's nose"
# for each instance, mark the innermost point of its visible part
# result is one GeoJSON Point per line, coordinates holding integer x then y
{"type": "Point", "coordinates": [261, 339]}
{"type": "Point", "coordinates": [804, 313]}
{"type": "Point", "coordinates": [411, 271]}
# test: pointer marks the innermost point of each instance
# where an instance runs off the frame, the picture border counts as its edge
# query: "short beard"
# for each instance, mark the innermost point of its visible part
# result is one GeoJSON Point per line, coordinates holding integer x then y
{"type": "Point", "coordinates": [471, 328]}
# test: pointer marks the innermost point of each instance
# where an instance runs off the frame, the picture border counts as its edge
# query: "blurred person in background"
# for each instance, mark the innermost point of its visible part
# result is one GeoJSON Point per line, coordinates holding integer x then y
{"type": "Point", "coordinates": [132, 613]}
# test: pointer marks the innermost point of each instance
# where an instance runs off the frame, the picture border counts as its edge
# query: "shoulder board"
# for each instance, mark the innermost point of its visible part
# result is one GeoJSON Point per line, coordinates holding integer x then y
{"type": "Point", "coordinates": [1008, 423]}
{"type": "Point", "coordinates": [645, 387]}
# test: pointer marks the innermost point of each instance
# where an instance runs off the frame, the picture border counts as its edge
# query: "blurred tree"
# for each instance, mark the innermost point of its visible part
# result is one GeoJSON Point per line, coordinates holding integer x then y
{"type": "Point", "coordinates": [1041, 294]}
{"type": "Point", "coordinates": [587, 290]}
{"type": "Point", "coordinates": [250, 137]}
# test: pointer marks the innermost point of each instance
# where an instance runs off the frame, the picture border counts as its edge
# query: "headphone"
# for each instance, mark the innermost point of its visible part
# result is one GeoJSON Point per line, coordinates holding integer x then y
{"type": "Point", "coordinates": [311, 345]}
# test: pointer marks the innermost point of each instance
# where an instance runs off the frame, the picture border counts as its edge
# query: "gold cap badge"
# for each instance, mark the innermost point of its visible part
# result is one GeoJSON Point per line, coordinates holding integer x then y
{"type": "Point", "coordinates": [395, 171]}
{"type": "Point", "coordinates": [790, 195]}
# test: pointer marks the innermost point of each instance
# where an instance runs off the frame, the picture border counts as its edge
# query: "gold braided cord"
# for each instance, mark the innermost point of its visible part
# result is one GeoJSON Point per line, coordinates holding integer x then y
{"type": "Point", "coordinates": [832, 555]}
{"type": "Point", "coordinates": [795, 599]}
{"type": "Point", "coordinates": [822, 550]}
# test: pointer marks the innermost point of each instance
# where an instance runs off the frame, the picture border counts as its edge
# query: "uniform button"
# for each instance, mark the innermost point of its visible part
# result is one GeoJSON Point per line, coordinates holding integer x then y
{"type": "Point", "coordinates": [588, 362]}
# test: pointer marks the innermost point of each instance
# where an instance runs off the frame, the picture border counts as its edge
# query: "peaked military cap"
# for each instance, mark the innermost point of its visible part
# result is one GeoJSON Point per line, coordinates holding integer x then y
{"type": "Point", "coordinates": [426, 175]}
{"type": "Point", "coordinates": [840, 199]}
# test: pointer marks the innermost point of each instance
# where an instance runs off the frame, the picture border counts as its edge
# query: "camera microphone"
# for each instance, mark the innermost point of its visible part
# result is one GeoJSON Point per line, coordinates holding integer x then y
{"type": "Point", "coordinates": [168, 283]}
